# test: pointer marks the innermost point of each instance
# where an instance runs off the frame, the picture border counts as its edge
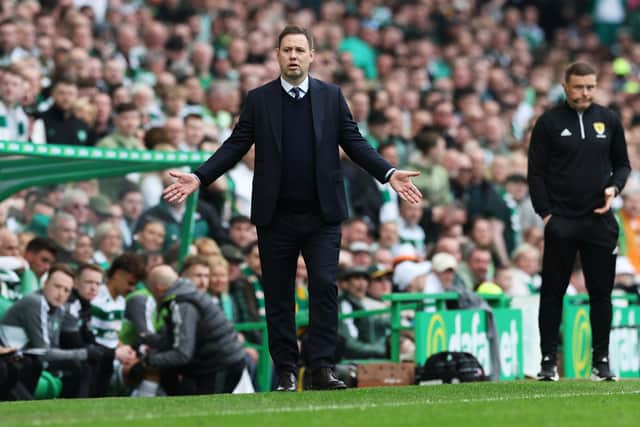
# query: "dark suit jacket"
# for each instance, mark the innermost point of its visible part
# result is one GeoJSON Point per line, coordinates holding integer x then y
{"type": "Point", "coordinates": [261, 123]}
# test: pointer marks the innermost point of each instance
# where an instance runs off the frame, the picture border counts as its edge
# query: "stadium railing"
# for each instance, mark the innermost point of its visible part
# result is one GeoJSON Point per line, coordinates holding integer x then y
{"type": "Point", "coordinates": [24, 165]}
{"type": "Point", "coordinates": [624, 348]}
{"type": "Point", "coordinates": [398, 304]}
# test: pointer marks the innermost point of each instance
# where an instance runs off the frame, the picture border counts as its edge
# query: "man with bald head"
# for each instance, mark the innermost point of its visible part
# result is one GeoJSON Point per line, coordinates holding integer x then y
{"type": "Point", "coordinates": [202, 353]}
{"type": "Point", "coordinates": [9, 244]}
{"type": "Point", "coordinates": [10, 260]}
{"type": "Point", "coordinates": [449, 245]}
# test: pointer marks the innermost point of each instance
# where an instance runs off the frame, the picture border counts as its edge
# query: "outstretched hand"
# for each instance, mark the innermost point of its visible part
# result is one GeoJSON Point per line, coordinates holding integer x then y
{"type": "Point", "coordinates": [401, 182]}
{"type": "Point", "coordinates": [609, 195]}
{"type": "Point", "coordinates": [185, 184]}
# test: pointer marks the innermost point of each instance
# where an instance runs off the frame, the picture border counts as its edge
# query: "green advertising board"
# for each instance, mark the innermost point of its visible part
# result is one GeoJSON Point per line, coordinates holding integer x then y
{"type": "Point", "coordinates": [624, 348]}
{"type": "Point", "coordinates": [466, 330]}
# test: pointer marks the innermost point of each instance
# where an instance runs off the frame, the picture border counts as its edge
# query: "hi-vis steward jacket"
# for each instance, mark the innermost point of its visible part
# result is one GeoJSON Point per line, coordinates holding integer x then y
{"type": "Point", "coordinates": [573, 157]}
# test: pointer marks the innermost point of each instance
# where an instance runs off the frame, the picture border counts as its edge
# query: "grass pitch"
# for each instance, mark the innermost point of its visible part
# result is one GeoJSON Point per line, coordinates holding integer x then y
{"type": "Point", "coordinates": [520, 404]}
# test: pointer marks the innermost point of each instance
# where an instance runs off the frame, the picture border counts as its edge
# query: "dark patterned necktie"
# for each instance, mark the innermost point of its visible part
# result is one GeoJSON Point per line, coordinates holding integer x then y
{"type": "Point", "coordinates": [296, 92]}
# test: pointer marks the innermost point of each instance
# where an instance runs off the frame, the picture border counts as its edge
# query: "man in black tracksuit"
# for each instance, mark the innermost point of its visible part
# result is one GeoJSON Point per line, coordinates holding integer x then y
{"type": "Point", "coordinates": [198, 351]}
{"type": "Point", "coordinates": [577, 165]}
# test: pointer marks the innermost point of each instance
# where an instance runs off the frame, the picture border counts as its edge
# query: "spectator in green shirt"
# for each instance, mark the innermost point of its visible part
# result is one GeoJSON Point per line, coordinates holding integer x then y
{"type": "Point", "coordinates": [127, 122]}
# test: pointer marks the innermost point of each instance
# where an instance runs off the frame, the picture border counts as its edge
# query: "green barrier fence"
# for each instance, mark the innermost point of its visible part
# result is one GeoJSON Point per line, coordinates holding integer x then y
{"type": "Point", "coordinates": [466, 330]}
{"type": "Point", "coordinates": [624, 343]}
{"type": "Point", "coordinates": [24, 165]}
{"type": "Point", "coordinates": [508, 322]}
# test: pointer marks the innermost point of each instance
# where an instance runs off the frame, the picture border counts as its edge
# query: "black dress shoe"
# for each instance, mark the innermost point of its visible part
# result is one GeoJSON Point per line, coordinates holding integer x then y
{"type": "Point", "coordinates": [286, 382]}
{"type": "Point", "coordinates": [325, 379]}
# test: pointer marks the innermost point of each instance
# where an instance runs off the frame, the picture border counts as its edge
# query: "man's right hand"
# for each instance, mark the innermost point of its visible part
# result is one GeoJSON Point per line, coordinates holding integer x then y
{"type": "Point", "coordinates": [252, 353]}
{"type": "Point", "coordinates": [546, 219]}
{"type": "Point", "coordinates": [185, 184]}
{"type": "Point", "coordinates": [125, 354]}
{"type": "Point", "coordinates": [7, 350]}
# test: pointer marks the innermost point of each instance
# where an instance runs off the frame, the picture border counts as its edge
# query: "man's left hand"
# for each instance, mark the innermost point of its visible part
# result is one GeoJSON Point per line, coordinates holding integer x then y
{"type": "Point", "coordinates": [401, 182]}
{"type": "Point", "coordinates": [609, 195]}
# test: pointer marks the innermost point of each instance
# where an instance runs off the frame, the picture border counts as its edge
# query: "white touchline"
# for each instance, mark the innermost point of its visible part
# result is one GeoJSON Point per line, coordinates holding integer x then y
{"type": "Point", "coordinates": [318, 408]}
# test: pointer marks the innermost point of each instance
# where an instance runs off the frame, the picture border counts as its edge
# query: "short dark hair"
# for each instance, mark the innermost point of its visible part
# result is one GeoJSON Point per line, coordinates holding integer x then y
{"type": "Point", "coordinates": [155, 136]}
{"type": "Point", "coordinates": [128, 188]}
{"type": "Point", "coordinates": [427, 140]}
{"type": "Point", "coordinates": [172, 254]}
{"type": "Point", "coordinates": [192, 260]}
{"type": "Point", "coordinates": [145, 256]}
{"type": "Point", "coordinates": [12, 69]}
{"type": "Point", "coordinates": [175, 43]}
{"type": "Point", "coordinates": [355, 219]}
{"type": "Point", "coordinates": [128, 262]}
{"type": "Point", "coordinates": [86, 266]}
{"type": "Point", "coordinates": [38, 244]}
{"type": "Point", "coordinates": [377, 117]}
{"type": "Point", "coordinates": [150, 220]}
{"type": "Point", "coordinates": [63, 268]}
{"type": "Point", "coordinates": [65, 80]}
{"type": "Point", "coordinates": [191, 116]}
{"type": "Point", "coordinates": [36, 198]}
{"type": "Point", "coordinates": [384, 146]}
{"type": "Point", "coordinates": [125, 107]}
{"type": "Point", "coordinates": [8, 21]}
{"type": "Point", "coordinates": [239, 219]}
{"type": "Point", "coordinates": [294, 29]}
{"type": "Point", "coordinates": [87, 82]}
{"type": "Point", "coordinates": [579, 68]}
{"type": "Point", "coordinates": [473, 249]}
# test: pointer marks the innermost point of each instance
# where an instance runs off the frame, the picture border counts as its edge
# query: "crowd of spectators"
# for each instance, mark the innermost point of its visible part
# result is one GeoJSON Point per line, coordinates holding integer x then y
{"type": "Point", "coordinates": [450, 89]}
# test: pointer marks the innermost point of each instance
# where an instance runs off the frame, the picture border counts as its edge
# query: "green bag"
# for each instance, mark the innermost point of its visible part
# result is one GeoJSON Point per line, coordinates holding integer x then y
{"type": "Point", "coordinates": [49, 386]}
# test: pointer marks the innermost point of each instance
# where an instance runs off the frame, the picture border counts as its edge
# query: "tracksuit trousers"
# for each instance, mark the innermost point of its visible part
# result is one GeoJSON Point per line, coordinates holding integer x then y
{"type": "Point", "coordinates": [595, 237]}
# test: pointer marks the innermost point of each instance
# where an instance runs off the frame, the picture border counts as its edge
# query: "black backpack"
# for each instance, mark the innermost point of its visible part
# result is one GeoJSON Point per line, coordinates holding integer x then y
{"type": "Point", "coordinates": [450, 367]}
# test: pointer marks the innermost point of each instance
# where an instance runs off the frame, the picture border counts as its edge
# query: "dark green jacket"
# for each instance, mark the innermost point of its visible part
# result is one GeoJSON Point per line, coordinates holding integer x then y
{"type": "Point", "coordinates": [364, 337]}
{"type": "Point", "coordinates": [172, 227]}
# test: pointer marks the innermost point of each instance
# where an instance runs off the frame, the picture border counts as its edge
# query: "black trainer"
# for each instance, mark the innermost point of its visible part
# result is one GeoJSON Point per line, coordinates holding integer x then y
{"type": "Point", "coordinates": [286, 381]}
{"type": "Point", "coordinates": [601, 371]}
{"type": "Point", "coordinates": [548, 369]}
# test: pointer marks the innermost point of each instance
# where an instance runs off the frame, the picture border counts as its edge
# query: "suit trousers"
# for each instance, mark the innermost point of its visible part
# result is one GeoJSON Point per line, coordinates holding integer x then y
{"type": "Point", "coordinates": [222, 380]}
{"type": "Point", "coordinates": [595, 238]}
{"type": "Point", "coordinates": [280, 243]}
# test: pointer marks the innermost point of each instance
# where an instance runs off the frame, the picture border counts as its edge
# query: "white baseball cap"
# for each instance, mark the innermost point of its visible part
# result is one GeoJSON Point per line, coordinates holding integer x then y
{"type": "Point", "coordinates": [443, 261]}
{"type": "Point", "coordinates": [406, 271]}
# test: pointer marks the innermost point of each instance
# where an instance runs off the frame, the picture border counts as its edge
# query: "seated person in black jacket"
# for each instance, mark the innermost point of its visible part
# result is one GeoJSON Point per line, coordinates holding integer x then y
{"type": "Point", "coordinates": [197, 351]}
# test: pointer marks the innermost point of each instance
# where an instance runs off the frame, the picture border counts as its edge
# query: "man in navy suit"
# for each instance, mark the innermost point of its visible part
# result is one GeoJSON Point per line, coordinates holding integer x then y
{"type": "Point", "coordinates": [297, 123]}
